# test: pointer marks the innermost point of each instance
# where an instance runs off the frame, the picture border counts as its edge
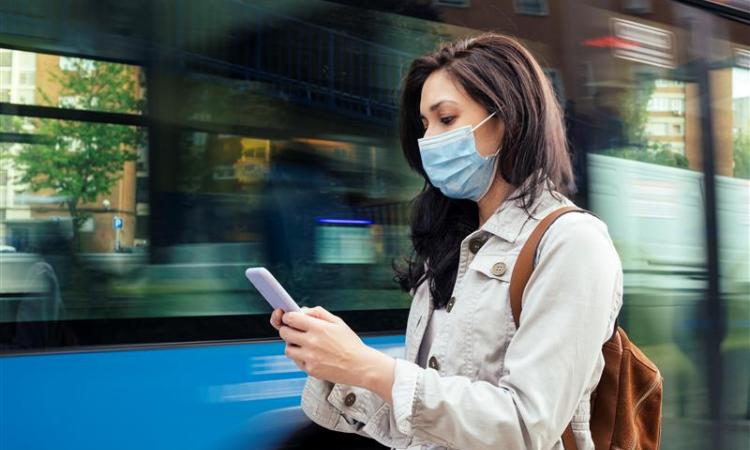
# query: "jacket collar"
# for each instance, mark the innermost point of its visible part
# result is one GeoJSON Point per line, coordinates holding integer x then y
{"type": "Point", "coordinates": [509, 218]}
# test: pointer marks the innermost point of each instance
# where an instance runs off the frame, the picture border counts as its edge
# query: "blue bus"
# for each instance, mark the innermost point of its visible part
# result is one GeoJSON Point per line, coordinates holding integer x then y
{"type": "Point", "coordinates": [238, 133]}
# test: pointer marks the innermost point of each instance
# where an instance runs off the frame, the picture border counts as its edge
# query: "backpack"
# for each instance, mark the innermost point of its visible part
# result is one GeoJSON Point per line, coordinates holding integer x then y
{"type": "Point", "coordinates": [626, 405]}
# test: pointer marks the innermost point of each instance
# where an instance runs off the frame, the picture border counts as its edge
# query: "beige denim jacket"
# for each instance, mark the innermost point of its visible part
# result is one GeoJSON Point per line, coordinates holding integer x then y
{"type": "Point", "coordinates": [488, 385]}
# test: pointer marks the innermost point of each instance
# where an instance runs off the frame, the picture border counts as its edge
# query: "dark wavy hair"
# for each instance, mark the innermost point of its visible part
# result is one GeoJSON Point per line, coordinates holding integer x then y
{"type": "Point", "coordinates": [500, 74]}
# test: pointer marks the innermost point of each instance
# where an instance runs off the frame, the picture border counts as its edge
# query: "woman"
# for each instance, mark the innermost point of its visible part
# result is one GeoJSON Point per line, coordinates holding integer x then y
{"type": "Point", "coordinates": [481, 124]}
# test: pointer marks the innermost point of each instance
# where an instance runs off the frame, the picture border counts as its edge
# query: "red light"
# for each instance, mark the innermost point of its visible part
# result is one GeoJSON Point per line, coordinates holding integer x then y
{"type": "Point", "coordinates": [610, 42]}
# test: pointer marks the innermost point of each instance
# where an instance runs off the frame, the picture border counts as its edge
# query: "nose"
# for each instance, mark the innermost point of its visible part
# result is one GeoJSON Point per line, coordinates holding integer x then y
{"type": "Point", "coordinates": [427, 132]}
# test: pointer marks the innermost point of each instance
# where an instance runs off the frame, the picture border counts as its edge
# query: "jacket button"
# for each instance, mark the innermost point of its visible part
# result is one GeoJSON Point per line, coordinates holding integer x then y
{"type": "Point", "coordinates": [499, 268]}
{"type": "Point", "coordinates": [450, 304]}
{"type": "Point", "coordinates": [475, 244]}
{"type": "Point", "coordinates": [350, 399]}
{"type": "Point", "coordinates": [434, 363]}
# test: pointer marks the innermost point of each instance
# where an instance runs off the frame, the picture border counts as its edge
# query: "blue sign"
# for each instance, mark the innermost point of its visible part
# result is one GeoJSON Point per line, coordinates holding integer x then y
{"type": "Point", "coordinates": [117, 223]}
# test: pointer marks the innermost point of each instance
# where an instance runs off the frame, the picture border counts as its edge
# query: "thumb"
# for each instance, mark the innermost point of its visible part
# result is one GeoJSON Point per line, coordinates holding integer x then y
{"type": "Point", "coordinates": [321, 313]}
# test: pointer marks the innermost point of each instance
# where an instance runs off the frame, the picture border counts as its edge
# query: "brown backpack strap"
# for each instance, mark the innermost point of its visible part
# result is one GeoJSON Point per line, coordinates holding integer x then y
{"type": "Point", "coordinates": [525, 263]}
{"type": "Point", "coordinates": [522, 272]}
{"type": "Point", "coordinates": [569, 440]}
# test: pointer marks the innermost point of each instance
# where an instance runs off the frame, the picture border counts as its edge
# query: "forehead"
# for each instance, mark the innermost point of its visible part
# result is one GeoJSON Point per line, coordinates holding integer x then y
{"type": "Point", "coordinates": [440, 86]}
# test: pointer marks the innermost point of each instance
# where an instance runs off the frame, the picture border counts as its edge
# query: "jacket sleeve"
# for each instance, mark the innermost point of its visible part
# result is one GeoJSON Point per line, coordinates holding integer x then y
{"type": "Point", "coordinates": [569, 304]}
{"type": "Point", "coordinates": [324, 403]}
{"type": "Point", "coordinates": [369, 415]}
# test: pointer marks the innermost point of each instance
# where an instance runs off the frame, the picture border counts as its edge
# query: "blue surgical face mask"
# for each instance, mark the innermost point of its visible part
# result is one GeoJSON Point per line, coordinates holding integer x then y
{"type": "Point", "coordinates": [454, 166]}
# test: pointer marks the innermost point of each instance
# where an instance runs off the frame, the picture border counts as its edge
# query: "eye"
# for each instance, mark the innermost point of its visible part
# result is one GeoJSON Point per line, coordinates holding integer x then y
{"type": "Point", "coordinates": [447, 120]}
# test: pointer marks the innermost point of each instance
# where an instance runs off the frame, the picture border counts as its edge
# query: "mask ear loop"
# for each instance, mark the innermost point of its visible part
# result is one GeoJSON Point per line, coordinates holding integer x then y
{"type": "Point", "coordinates": [483, 121]}
{"type": "Point", "coordinates": [495, 163]}
{"type": "Point", "coordinates": [497, 152]}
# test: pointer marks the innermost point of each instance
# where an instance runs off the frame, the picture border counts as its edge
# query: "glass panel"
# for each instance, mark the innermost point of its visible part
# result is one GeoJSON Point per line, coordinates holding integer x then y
{"type": "Point", "coordinates": [76, 83]}
{"type": "Point", "coordinates": [317, 195]}
{"type": "Point", "coordinates": [66, 183]}
{"type": "Point", "coordinates": [641, 120]}
{"type": "Point", "coordinates": [733, 215]}
{"type": "Point", "coordinates": [290, 161]}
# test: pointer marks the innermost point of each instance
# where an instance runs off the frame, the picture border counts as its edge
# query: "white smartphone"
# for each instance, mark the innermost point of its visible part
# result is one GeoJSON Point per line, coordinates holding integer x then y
{"type": "Point", "coordinates": [271, 289]}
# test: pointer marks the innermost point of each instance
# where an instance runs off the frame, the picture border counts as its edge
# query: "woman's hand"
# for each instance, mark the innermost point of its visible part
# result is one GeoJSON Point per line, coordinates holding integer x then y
{"type": "Point", "coordinates": [323, 345]}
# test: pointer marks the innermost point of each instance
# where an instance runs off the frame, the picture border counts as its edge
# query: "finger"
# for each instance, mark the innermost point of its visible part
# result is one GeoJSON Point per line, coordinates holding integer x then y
{"type": "Point", "coordinates": [300, 364]}
{"type": "Point", "coordinates": [292, 336]}
{"type": "Point", "coordinates": [276, 318]}
{"type": "Point", "coordinates": [323, 314]}
{"type": "Point", "coordinates": [293, 352]}
{"type": "Point", "coordinates": [300, 321]}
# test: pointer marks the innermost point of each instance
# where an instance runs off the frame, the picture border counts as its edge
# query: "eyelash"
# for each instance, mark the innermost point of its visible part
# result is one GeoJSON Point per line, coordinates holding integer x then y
{"type": "Point", "coordinates": [444, 120]}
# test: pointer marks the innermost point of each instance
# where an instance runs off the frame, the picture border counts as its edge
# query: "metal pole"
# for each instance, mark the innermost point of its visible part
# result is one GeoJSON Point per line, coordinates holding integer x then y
{"type": "Point", "coordinates": [714, 331]}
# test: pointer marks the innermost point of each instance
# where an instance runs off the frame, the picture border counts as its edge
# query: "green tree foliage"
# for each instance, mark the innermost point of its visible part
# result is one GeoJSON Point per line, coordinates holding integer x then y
{"type": "Point", "coordinates": [742, 155]}
{"type": "Point", "coordinates": [634, 110]}
{"type": "Point", "coordinates": [635, 114]}
{"type": "Point", "coordinates": [654, 153]}
{"type": "Point", "coordinates": [84, 160]}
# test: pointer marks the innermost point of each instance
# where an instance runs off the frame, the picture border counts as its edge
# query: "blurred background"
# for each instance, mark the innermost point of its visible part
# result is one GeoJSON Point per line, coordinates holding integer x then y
{"type": "Point", "coordinates": [150, 151]}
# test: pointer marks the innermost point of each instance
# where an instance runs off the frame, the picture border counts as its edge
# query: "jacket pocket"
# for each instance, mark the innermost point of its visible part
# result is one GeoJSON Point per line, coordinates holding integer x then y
{"type": "Point", "coordinates": [496, 270]}
{"type": "Point", "coordinates": [498, 267]}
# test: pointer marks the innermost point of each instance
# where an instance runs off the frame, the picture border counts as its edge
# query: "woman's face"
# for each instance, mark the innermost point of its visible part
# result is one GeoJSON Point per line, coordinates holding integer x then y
{"type": "Point", "coordinates": [445, 105]}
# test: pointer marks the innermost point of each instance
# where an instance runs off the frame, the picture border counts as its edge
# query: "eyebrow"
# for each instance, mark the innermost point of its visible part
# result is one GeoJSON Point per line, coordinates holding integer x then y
{"type": "Point", "coordinates": [436, 105]}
